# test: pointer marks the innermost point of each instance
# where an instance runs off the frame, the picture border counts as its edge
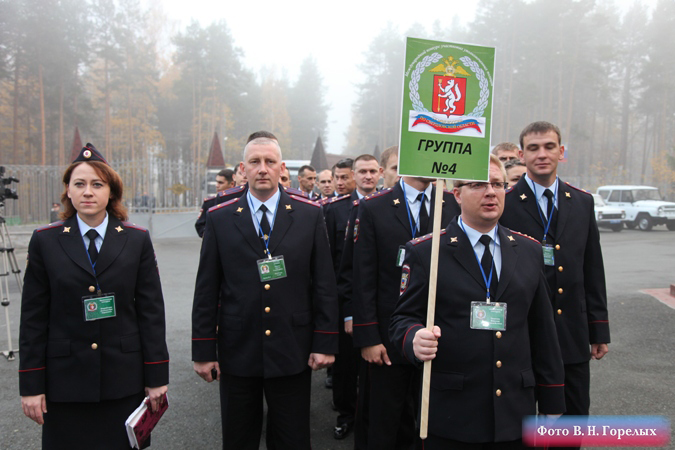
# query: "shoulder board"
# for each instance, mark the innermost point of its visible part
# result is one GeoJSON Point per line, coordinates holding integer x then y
{"type": "Point", "coordinates": [356, 202]}
{"type": "Point", "coordinates": [51, 225]}
{"type": "Point", "coordinates": [210, 197]}
{"type": "Point", "coordinates": [233, 190]}
{"type": "Point", "coordinates": [337, 198]}
{"type": "Point", "coordinates": [578, 189]}
{"type": "Point", "coordinates": [294, 191]}
{"type": "Point", "coordinates": [525, 236]}
{"type": "Point", "coordinates": [134, 226]}
{"type": "Point", "coordinates": [426, 237]}
{"type": "Point", "coordinates": [510, 188]}
{"type": "Point", "coordinates": [304, 199]}
{"type": "Point", "coordinates": [378, 194]}
{"type": "Point", "coordinates": [224, 204]}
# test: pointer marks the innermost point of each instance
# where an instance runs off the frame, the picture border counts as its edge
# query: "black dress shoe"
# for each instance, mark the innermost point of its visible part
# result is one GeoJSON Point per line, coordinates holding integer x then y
{"type": "Point", "coordinates": [341, 431]}
{"type": "Point", "coordinates": [329, 382]}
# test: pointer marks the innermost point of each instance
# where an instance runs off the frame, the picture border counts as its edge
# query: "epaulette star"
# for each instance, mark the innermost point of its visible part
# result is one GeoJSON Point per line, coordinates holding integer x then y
{"type": "Point", "coordinates": [66, 229]}
{"type": "Point", "coordinates": [453, 239]}
{"type": "Point", "coordinates": [396, 201]}
{"type": "Point", "coordinates": [523, 197]}
{"type": "Point", "coordinates": [567, 194]}
{"type": "Point", "coordinates": [240, 209]}
{"type": "Point", "coordinates": [119, 229]}
{"type": "Point", "coordinates": [288, 206]}
{"type": "Point", "coordinates": [511, 238]}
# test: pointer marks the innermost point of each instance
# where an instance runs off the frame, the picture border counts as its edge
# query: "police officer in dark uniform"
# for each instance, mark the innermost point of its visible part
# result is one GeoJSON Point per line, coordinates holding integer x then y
{"type": "Point", "coordinates": [92, 339]}
{"type": "Point", "coordinates": [562, 216]}
{"type": "Point", "coordinates": [486, 374]}
{"type": "Point", "coordinates": [366, 173]}
{"type": "Point", "coordinates": [387, 220]}
{"type": "Point", "coordinates": [267, 253]}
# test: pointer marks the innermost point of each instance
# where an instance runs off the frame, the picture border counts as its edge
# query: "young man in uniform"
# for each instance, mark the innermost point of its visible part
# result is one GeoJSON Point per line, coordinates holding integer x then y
{"type": "Point", "coordinates": [543, 206]}
{"type": "Point", "coordinates": [386, 221]}
{"type": "Point", "coordinates": [486, 374]}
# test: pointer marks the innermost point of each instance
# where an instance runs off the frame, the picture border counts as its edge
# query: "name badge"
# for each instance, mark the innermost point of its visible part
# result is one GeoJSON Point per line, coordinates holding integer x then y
{"type": "Point", "coordinates": [549, 259]}
{"type": "Point", "coordinates": [99, 307]}
{"type": "Point", "coordinates": [272, 268]}
{"type": "Point", "coordinates": [488, 316]}
{"type": "Point", "coordinates": [400, 257]}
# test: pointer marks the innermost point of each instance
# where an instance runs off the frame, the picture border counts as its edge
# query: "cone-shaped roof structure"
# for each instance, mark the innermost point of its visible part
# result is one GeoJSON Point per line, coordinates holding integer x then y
{"type": "Point", "coordinates": [319, 160]}
{"type": "Point", "coordinates": [76, 147]}
{"type": "Point", "coordinates": [215, 159]}
{"type": "Point", "coordinates": [377, 153]}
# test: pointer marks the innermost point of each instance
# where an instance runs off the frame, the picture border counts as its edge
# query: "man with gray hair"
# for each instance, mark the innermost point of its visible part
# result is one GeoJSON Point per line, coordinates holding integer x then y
{"type": "Point", "coordinates": [267, 253]}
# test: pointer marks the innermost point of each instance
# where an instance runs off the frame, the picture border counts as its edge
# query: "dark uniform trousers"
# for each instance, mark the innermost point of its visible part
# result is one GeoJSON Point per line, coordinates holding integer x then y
{"type": "Point", "coordinates": [576, 280]}
{"type": "Point", "coordinates": [483, 382]}
{"type": "Point", "coordinates": [345, 293]}
{"type": "Point", "coordinates": [265, 330]}
{"type": "Point", "coordinates": [382, 228]}
{"type": "Point", "coordinates": [345, 370]}
{"type": "Point", "coordinates": [82, 365]}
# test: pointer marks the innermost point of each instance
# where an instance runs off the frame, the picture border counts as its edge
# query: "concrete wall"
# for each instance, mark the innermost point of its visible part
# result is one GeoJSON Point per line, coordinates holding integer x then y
{"type": "Point", "coordinates": [169, 225]}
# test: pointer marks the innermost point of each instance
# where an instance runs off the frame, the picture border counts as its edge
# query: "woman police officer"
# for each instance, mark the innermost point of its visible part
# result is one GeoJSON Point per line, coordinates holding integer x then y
{"type": "Point", "coordinates": [92, 334]}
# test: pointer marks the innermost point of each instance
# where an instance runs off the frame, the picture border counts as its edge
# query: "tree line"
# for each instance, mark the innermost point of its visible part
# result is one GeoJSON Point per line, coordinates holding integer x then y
{"type": "Point", "coordinates": [100, 65]}
{"type": "Point", "coordinates": [604, 75]}
{"type": "Point", "coordinates": [606, 78]}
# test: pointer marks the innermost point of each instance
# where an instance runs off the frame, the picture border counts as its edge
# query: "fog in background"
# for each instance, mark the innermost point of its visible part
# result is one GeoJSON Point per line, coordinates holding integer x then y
{"type": "Point", "coordinates": [158, 78]}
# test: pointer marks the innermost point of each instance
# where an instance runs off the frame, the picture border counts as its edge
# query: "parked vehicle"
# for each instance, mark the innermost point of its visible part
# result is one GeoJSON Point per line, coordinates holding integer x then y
{"type": "Point", "coordinates": [644, 206]}
{"type": "Point", "coordinates": [608, 216]}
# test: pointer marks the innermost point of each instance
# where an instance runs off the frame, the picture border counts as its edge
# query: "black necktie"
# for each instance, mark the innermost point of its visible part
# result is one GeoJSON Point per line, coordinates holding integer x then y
{"type": "Point", "coordinates": [93, 253]}
{"type": "Point", "coordinates": [549, 195]}
{"type": "Point", "coordinates": [486, 262]}
{"type": "Point", "coordinates": [264, 224]}
{"type": "Point", "coordinates": [424, 216]}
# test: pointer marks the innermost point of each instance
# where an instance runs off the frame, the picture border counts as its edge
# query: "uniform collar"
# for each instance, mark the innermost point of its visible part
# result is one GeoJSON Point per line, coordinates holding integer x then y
{"type": "Point", "coordinates": [99, 229]}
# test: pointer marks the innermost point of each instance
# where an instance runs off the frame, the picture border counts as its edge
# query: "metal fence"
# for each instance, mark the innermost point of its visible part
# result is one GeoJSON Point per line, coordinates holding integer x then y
{"type": "Point", "coordinates": [151, 184]}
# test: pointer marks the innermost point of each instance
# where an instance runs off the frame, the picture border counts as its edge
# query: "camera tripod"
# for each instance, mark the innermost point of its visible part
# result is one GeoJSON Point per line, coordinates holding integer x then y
{"type": "Point", "coordinates": [8, 263]}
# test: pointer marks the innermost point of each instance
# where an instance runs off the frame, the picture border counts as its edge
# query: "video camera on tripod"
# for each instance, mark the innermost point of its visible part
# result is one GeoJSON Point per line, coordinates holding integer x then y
{"type": "Point", "coordinates": [8, 263]}
{"type": "Point", "coordinates": [5, 191]}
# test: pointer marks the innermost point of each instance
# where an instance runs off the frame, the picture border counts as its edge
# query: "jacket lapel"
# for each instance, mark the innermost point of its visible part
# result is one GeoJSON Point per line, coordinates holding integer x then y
{"type": "Point", "coordinates": [463, 251]}
{"type": "Point", "coordinates": [115, 239]}
{"type": "Point", "coordinates": [71, 241]}
{"type": "Point", "coordinates": [564, 207]}
{"type": "Point", "coordinates": [282, 221]}
{"type": "Point", "coordinates": [398, 201]}
{"type": "Point", "coordinates": [507, 245]}
{"type": "Point", "coordinates": [244, 223]}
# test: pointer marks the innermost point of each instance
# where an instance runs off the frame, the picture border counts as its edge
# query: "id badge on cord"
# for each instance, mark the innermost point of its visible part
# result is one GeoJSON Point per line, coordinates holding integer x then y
{"type": "Point", "coordinates": [97, 307]}
{"type": "Point", "coordinates": [271, 268]}
{"type": "Point", "coordinates": [549, 258]}
{"type": "Point", "coordinates": [488, 316]}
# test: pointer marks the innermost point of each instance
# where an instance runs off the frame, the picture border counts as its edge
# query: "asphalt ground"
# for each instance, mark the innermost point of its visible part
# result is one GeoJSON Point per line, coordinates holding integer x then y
{"type": "Point", "coordinates": [635, 378]}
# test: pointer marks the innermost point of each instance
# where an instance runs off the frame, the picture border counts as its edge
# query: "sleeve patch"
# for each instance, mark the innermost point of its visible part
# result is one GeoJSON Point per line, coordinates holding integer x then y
{"type": "Point", "coordinates": [405, 278]}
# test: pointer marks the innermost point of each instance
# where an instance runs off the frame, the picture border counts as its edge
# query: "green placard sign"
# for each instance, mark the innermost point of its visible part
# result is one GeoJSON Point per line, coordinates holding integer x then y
{"type": "Point", "coordinates": [446, 117]}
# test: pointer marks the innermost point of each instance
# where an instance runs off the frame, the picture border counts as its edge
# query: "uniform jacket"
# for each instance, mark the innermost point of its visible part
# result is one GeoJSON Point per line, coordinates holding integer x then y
{"type": "Point", "coordinates": [210, 202]}
{"type": "Point", "coordinates": [382, 228]}
{"type": "Point", "coordinates": [264, 329]}
{"type": "Point", "coordinates": [72, 360]}
{"type": "Point", "coordinates": [577, 280]}
{"type": "Point", "coordinates": [336, 212]}
{"type": "Point", "coordinates": [483, 382]}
